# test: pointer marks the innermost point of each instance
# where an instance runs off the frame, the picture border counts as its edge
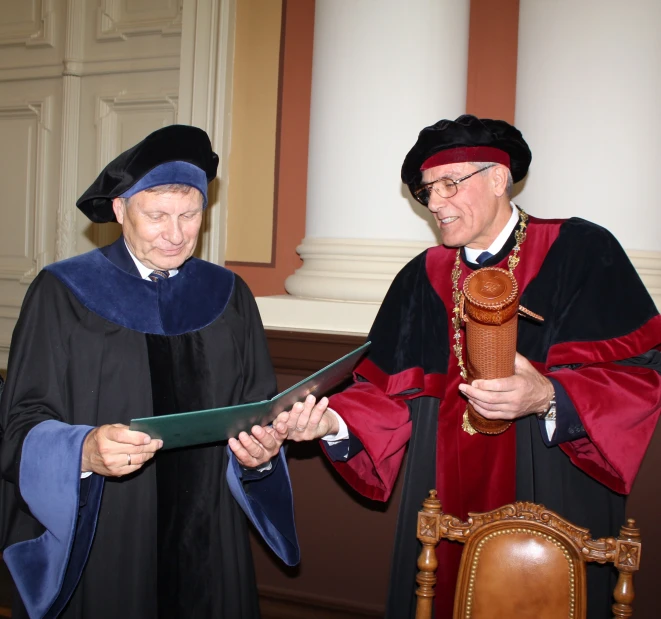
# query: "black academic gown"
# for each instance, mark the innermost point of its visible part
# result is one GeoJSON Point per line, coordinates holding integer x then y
{"type": "Point", "coordinates": [599, 343]}
{"type": "Point", "coordinates": [96, 344]}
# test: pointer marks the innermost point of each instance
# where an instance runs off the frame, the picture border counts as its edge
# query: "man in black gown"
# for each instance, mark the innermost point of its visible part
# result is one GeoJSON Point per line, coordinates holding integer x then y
{"type": "Point", "coordinates": [585, 395]}
{"type": "Point", "coordinates": [93, 525]}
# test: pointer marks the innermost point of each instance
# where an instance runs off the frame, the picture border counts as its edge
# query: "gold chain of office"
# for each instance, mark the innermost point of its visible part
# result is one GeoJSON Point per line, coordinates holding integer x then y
{"type": "Point", "coordinates": [512, 262]}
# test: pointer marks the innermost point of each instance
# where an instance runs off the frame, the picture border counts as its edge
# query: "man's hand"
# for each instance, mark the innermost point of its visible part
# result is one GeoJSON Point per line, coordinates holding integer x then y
{"type": "Point", "coordinates": [527, 391]}
{"type": "Point", "coordinates": [254, 450]}
{"type": "Point", "coordinates": [114, 450]}
{"type": "Point", "coordinates": [309, 420]}
{"type": "Point", "coordinates": [306, 421]}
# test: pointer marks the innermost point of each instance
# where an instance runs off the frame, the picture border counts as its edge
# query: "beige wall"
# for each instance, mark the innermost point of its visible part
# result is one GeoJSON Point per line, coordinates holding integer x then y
{"type": "Point", "coordinates": [292, 152]}
{"type": "Point", "coordinates": [251, 191]}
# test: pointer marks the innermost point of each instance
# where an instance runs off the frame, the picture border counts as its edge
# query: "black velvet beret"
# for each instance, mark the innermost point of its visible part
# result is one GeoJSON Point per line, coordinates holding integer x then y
{"type": "Point", "coordinates": [460, 138]}
{"type": "Point", "coordinates": [171, 143]}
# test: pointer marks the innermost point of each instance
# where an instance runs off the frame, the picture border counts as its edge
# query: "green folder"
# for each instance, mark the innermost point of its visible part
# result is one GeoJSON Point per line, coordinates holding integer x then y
{"type": "Point", "coordinates": [219, 424]}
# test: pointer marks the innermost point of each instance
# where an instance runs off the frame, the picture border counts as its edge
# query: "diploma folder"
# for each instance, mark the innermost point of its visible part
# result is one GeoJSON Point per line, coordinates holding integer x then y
{"type": "Point", "coordinates": [219, 424]}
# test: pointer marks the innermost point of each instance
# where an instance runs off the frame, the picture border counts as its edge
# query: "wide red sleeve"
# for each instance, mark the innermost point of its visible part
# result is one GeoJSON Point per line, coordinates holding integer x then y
{"type": "Point", "coordinates": [619, 407]}
{"type": "Point", "coordinates": [383, 426]}
{"type": "Point", "coordinates": [601, 326]}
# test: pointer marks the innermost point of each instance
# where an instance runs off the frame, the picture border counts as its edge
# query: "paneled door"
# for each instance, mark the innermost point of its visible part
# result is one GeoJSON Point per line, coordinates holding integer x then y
{"type": "Point", "coordinates": [80, 81]}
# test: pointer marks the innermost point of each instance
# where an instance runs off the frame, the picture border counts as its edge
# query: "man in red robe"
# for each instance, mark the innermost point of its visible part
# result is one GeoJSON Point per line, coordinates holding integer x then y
{"type": "Point", "coordinates": [585, 395]}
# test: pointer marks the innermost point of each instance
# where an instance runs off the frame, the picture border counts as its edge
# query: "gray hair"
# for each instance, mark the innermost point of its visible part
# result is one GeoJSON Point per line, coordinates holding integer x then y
{"type": "Point", "coordinates": [510, 180]}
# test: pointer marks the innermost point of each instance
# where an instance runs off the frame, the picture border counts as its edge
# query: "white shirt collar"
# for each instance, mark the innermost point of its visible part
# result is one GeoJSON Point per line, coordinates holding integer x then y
{"type": "Point", "coordinates": [499, 241]}
{"type": "Point", "coordinates": [145, 272]}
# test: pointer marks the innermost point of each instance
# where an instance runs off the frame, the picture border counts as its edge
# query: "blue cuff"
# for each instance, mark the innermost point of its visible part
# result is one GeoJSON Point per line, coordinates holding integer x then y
{"type": "Point", "coordinates": [338, 452]}
{"type": "Point", "coordinates": [269, 504]}
{"type": "Point", "coordinates": [344, 450]}
{"type": "Point", "coordinates": [46, 570]}
{"type": "Point", "coordinates": [568, 425]}
{"type": "Point", "coordinates": [256, 475]}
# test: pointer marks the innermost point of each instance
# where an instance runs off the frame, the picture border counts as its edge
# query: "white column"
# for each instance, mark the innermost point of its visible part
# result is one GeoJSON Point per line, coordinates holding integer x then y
{"type": "Point", "coordinates": [588, 92]}
{"type": "Point", "coordinates": [382, 70]}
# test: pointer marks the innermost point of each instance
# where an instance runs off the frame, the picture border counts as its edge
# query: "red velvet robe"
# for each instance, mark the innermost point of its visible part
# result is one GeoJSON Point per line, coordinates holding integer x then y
{"type": "Point", "coordinates": [599, 324]}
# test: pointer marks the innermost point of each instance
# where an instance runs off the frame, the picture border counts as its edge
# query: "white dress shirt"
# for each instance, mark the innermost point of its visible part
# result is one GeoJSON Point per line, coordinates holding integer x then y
{"type": "Point", "coordinates": [145, 272]}
{"type": "Point", "coordinates": [499, 241]}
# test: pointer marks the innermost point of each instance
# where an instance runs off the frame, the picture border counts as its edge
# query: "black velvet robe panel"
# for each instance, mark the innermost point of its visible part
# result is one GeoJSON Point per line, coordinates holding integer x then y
{"type": "Point", "coordinates": [175, 518]}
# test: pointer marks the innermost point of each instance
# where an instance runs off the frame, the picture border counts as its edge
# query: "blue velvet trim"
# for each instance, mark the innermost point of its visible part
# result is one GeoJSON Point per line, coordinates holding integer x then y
{"type": "Point", "coordinates": [46, 570]}
{"type": "Point", "coordinates": [248, 475]}
{"type": "Point", "coordinates": [191, 300]}
{"type": "Point", "coordinates": [171, 173]}
{"type": "Point", "coordinates": [269, 504]}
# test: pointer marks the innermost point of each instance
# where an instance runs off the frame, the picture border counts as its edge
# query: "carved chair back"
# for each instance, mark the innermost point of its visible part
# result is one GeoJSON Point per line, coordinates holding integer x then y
{"type": "Point", "coordinates": [522, 561]}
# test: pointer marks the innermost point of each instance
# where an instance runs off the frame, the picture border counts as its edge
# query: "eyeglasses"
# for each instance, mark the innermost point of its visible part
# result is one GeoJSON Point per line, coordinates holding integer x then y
{"type": "Point", "coordinates": [444, 187]}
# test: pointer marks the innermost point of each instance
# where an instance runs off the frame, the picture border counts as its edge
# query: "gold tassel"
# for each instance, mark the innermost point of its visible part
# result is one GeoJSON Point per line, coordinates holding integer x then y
{"type": "Point", "coordinates": [466, 425]}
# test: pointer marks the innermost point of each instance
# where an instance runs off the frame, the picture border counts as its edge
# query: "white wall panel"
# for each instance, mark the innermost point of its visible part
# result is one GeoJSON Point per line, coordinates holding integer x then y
{"type": "Point", "coordinates": [31, 37]}
{"type": "Point", "coordinates": [116, 30]}
{"type": "Point", "coordinates": [29, 140]}
{"type": "Point", "coordinates": [120, 19]}
{"type": "Point", "coordinates": [28, 22]}
{"type": "Point", "coordinates": [587, 98]}
{"type": "Point", "coordinates": [19, 126]}
{"type": "Point", "coordinates": [29, 164]}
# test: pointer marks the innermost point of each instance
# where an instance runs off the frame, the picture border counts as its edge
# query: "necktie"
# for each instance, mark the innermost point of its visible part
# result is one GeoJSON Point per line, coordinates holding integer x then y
{"type": "Point", "coordinates": [483, 257]}
{"type": "Point", "coordinates": [156, 275]}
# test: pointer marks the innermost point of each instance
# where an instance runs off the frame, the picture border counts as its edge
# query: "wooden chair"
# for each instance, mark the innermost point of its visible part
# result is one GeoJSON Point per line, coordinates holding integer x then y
{"type": "Point", "coordinates": [522, 561]}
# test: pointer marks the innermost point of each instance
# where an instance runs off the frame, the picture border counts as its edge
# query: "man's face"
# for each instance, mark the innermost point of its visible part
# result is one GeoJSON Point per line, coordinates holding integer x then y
{"type": "Point", "coordinates": [474, 216]}
{"type": "Point", "coordinates": [161, 229]}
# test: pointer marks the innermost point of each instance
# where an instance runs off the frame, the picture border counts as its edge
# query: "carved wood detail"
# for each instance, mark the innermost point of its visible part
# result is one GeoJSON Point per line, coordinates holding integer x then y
{"type": "Point", "coordinates": [434, 525]}
{"type": "Point", "coordinates": [600, 550]}
{"type": "Point", "coordinates": [429, 534]}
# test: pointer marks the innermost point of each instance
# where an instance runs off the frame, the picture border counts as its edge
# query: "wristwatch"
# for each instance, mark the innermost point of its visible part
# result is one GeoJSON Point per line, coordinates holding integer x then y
{"type": "Point", "coordinates": [550, 413]}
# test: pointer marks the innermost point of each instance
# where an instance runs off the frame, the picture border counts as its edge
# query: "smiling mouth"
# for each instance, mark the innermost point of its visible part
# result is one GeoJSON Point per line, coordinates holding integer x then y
{"type": "Point", "coordinates": [448, 220]}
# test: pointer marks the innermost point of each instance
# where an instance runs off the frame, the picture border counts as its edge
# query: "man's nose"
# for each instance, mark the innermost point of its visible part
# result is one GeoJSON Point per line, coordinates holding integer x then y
{"type": "Point", "coordinates": [174, 233]}
{"type": "Point", "coordinates": [436, 202]}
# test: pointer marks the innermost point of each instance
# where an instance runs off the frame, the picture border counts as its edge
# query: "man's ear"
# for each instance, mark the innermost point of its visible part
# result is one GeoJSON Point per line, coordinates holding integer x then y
{"type": "Point", "coordinates": [499, 176]}
{"type": "Point", "coordinates": [118, 207]}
